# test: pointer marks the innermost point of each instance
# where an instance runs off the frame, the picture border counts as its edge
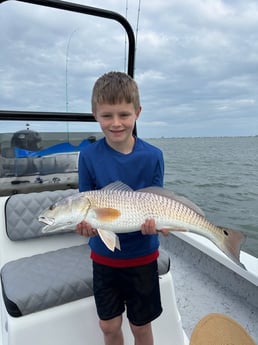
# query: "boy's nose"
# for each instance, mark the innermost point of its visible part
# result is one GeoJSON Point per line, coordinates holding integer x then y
{"type": "Point", "coordinates": [116, 121]}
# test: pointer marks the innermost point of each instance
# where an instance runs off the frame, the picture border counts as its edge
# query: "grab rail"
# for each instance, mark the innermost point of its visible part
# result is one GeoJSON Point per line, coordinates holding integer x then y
{"type": "Point", "coordinates": [45, 116]}
{"type": "Point", "coordinates": [72, 7]}
{"type": "Point", "coordinates": [93, 11]}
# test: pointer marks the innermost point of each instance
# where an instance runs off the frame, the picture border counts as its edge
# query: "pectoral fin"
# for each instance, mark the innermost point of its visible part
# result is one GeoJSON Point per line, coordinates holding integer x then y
{"type": "Point", "coordinates": [107, 214]}
{"type": "Point", "coordinates": [110, 239]}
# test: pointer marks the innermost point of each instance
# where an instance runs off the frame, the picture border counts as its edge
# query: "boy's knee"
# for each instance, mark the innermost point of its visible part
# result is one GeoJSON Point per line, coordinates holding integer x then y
{"type": "Point", "coordinates": [111, 326]}
{"type": "Point", "coordinates": [141, 331]}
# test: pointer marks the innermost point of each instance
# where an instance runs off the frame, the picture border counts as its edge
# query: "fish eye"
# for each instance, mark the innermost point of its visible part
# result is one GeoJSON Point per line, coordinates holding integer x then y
{"type": "Point", "coordinates": [225, 232]}
{"type": "Point", "coordinates": [52, 207]}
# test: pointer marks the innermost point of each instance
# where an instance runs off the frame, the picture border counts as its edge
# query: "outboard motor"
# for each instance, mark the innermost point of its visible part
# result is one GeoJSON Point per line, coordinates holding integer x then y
{"type": "Point", "coordinates": [27, 139]}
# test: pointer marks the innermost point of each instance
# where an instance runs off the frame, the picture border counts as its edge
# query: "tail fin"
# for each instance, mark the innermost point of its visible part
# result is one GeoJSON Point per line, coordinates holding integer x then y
{"type": "Point", "coordinates": [232, 243]}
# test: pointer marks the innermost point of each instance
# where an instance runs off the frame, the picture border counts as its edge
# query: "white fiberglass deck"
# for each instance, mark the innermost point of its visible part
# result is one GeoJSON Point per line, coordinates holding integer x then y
{"type": "Point", "coordinates": [203, 286]}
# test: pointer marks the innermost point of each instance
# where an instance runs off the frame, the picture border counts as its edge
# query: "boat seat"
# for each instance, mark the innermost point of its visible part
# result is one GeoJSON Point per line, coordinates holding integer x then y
{"type": "Point", "coordinates": [47, 280]}
{"type": "Point", "coordinates": [38, 282]}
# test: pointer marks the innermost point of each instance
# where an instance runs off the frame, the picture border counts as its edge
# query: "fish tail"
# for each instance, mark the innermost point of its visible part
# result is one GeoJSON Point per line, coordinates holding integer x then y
{"type": "Point", "coordinates": [232, 243]}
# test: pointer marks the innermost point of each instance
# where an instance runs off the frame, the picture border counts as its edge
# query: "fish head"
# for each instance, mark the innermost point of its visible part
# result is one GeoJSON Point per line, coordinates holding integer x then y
{"type": "Point", "coordinates": [65, 214]}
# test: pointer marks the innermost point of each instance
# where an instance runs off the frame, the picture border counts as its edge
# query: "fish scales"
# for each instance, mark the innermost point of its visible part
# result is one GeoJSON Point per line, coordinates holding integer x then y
{"type": "Point", "coordinates": [136, 207]}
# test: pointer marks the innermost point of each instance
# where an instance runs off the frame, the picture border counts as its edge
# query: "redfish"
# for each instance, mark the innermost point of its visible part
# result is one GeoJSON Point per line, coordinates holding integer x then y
{"type": "Point", "coordinates": [118, 209]}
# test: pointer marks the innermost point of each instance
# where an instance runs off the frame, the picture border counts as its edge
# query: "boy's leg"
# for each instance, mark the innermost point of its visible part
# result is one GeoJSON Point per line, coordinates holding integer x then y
{"type": "Point", "coordinates": [142, 334]}
{"type": "Point", "coordinates": [112, 331]}
{"type": "Point", "coordinates": [143, 298]}
{"type": "Point", "coordinates": [143, 303]}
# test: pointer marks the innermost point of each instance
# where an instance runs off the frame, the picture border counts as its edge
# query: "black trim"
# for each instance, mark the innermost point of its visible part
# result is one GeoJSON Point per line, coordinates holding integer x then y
{"type": "Point", "coordinates": [45, 116]}
{"type": "Point", "coordinates": [11, 307]}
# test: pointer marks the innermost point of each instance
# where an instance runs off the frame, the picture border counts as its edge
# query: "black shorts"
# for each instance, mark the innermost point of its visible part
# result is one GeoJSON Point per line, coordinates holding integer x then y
{"type": "Point", "coordinates": [137, 288]}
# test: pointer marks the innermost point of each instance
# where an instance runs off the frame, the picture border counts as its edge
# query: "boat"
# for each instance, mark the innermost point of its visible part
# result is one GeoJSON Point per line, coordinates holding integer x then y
{"type": "Point", "coordinates": [46, 281]}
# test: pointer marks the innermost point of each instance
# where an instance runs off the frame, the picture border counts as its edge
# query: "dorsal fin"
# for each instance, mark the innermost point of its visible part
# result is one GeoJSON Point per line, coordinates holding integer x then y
{"type": "Point", "coordinates": [118, 185]}
{"type": "Point", "coordinates": [168, 194]}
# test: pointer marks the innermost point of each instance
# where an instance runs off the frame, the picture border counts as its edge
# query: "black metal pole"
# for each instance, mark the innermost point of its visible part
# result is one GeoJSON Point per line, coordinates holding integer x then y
{"type": "Point", "coordinates": [94, 11]}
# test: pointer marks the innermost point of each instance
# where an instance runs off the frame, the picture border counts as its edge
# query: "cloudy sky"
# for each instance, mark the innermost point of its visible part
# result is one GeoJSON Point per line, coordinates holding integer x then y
{"type": "Point", "coordinates": [196, 62]}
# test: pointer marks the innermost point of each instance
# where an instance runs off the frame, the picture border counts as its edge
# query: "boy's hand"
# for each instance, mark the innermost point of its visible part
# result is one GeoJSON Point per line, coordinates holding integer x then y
{"type": "Point", "coordinates": [149, 228]}
{"type": "Point", "coordinates": [85, 229]}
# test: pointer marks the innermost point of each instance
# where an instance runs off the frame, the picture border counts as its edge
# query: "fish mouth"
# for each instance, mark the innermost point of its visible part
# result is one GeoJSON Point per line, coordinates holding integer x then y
{"type": "Point", "coordinates": [47, 221]}
{"type": "Point", "coordinates": [51, 226]}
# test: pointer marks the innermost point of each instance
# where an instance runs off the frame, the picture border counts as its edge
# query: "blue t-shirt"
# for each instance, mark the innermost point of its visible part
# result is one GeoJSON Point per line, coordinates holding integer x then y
{"type": "Point", "coordinates": [100, 165]}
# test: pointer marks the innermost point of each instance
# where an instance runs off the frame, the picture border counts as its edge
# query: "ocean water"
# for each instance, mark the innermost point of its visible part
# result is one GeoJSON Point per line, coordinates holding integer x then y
{"type": "Point", "coordinates": [220, 175]}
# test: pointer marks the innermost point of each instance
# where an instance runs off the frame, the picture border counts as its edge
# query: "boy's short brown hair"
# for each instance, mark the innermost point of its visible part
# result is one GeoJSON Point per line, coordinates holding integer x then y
{"type": "Point", "coordinates": [113, 88]}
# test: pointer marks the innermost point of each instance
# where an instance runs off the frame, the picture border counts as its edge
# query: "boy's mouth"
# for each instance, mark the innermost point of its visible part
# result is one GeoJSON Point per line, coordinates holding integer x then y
{"type": "Point", "coordinates": [117, 131]}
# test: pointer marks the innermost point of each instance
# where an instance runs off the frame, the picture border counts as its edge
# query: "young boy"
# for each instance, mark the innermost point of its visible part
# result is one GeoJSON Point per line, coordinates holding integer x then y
{"type": "Point", "coordinates": [126, 277]}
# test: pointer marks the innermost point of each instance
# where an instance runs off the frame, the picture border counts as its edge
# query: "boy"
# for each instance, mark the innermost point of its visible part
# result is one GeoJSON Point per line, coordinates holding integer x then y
{"type": "Point", "coordinates": [129, 276]}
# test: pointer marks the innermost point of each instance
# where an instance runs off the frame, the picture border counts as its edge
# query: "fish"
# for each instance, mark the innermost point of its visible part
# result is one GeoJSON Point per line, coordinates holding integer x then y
{"type": "Point", "coordinates": [117, 208]}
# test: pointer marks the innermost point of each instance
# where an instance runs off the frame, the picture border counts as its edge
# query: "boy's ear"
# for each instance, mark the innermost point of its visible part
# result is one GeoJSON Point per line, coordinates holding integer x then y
{"type": "Point", "coordinates": [138, 112]}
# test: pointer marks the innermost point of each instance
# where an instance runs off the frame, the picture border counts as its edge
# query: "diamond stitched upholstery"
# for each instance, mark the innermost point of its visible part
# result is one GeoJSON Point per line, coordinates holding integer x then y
{"type": "Point", "coordinates": [22, 211]}
{"type": "Point", "coordinates": [46, 280]}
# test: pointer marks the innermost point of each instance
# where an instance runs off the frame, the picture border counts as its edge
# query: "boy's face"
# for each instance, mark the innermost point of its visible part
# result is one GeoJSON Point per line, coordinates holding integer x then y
{"type": "Point", "coordinates": [117, 122]}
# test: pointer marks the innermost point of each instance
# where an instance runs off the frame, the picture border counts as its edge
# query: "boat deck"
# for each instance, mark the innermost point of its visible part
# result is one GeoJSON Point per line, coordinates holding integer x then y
{"type": "Point", "coordinates": [202, 287]}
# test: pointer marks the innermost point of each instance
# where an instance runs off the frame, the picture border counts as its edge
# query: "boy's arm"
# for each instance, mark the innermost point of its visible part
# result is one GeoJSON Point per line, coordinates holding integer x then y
{"type": "Point", "coordinates": [85, 184]}
{"type": "Point", "coordinates": [158, 173]}
{"type": "Point", "coordinates": [84, 175]}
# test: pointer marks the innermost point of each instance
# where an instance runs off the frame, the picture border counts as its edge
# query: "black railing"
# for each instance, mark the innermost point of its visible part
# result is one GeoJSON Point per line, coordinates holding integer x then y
{"type": "Point", "coordinates": [45, 116]}
{"type": "Point", "coordinates": [93, 11]}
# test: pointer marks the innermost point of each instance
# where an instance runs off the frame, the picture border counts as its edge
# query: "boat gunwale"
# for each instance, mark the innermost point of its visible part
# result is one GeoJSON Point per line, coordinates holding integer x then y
{"type": "Point", "coordinates": [207, 247]}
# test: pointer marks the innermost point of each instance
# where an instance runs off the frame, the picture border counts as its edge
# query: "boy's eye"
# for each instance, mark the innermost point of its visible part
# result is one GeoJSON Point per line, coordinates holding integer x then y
{"type": "Point", "coordinates": [108, 116]}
